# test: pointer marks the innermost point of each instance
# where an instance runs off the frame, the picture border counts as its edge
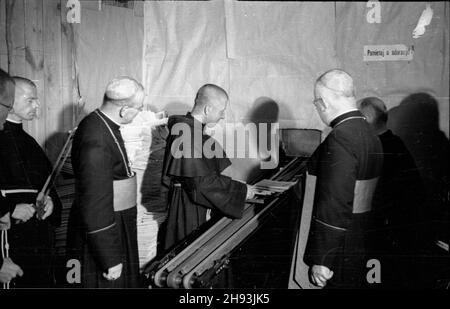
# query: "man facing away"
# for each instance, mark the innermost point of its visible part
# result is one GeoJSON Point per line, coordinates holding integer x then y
{"type": "Point", "coordinates": [394, 236]}
{"type": "Point", "coordinates": [347, 165]}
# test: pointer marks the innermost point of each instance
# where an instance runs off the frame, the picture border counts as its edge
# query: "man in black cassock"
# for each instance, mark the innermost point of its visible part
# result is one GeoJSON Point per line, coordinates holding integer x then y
{"type": "Point", "coordinates": [346, 165]}
{"type": "Point", "coordinates": [31, 238]}
{"type": "Point", "coordinates": [8, 269]}
{"type": "Point", "coordinates": [191, 176]}
{"type": "Point", "coordinates": [394, 235]}
{"type": "Point", "coordinates": [102, 227]}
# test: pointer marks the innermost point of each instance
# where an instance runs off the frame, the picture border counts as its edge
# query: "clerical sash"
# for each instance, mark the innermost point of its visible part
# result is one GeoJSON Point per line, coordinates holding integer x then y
{"type": "Point", "coordinates": [125, 192]}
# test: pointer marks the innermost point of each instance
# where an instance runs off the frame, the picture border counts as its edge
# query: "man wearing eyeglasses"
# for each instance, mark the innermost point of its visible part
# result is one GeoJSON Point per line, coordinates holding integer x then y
{"type": "Point", "coordinates": [31, 236]}
{"type": "Point", "coordinates": [102, 224]}
{"type": "Point", "coordinates": [346, 166]}
{"type": "Point", "coordinates": [8, 269]}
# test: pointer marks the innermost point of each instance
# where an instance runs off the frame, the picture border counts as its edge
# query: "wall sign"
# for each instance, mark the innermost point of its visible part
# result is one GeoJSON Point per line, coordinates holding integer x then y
{"type": "Point", "coordinates": [397, 52]}
{"type": "Point", "coordinates": [74, 12]}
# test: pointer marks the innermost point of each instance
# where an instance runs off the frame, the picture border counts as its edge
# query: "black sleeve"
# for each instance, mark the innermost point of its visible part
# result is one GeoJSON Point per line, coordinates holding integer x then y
{"type": "Point", "coordinates": [219, 192]}
{"type": "Point", "coordinates": [5, 205]}
{"type": "Point", "coordinates": [55, 218]}
{"type": "Point", "coordinates": [95, 201]}
{"type": "Point", "coordinates": [336, 177]}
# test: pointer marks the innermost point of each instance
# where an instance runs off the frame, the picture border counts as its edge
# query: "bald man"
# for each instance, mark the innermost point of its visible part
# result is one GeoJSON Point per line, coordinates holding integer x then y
{"type": "Point", "coordinates": [103, 217]}
{"type": "Point", "coordinates": [346, 166]}
{"type": "Point", "coordinates": [7, 86]}
{"type": "Point", "coordinates": [192, 178]}
{"type": "Point", "coordinates": [8, 269]}
{"type": "Point", "coordinates": [31, 236]}
{"type": "Point", "coordinates": [396, 202]}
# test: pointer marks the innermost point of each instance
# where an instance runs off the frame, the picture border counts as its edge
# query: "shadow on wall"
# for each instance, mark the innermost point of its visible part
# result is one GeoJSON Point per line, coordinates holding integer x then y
{"type": "Point", "coordinates": [55, 142]}
{"type": "Point", "coordinates": [176, 108]}
{"type": "Point", "coordinates": [263, 110]}
{"type": "Point", "coordinates": [416, 121]}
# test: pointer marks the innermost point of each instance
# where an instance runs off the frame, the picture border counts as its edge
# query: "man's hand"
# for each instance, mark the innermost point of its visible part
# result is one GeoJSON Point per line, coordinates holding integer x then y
{"type": "Point", "coordinates": [251, 191]}
{"type": "Point", "coordinates": [48, 207]}
{"type": "Point", "coordinates": [23, 212]}
{"type": "Point", "coordinates": [5, 222]}
{"type": "Point", "coordinates": [113, 273]}
{"type": "Point", "coordinates": [9, 271]}
{"type": "Point", "coordinates": [319, 275]}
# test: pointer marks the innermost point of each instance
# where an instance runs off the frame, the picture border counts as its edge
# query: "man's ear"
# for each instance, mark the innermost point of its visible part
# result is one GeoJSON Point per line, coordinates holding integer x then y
{"type": "Point", "coordinates": [12, 111]}
{"type": "Point", "coordinates": [122, 111]}
{"type": "Point", "coordinates": [322, 105]}
{"type": "Point", "coordinates": [206, 109]}
{"type": "Point", "coordinates": [327, 96]}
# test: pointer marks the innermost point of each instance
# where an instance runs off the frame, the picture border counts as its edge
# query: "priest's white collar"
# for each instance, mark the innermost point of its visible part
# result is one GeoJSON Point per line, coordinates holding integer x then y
{"type": "Point", "coordinates": [13, 121]}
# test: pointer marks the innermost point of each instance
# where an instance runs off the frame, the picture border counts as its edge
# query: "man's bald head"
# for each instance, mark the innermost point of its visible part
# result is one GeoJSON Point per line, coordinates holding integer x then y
{"type": "Point", "coordinates": [123, 91]}
{"type": "Point", "coordinates": [210, 103]}
{"type": "Point", "coordinates": [338, 81]}
{"type": "Point", "coordinates": [26, 102]}
{"type": "Point", "coordinates": [334, 95]}
{"type": "Point", "coordinates": [375, 112]}
{"type": "Point", "coordinates": [6, 96]}
{"type": "Point", "coordinates": [209, 94]}
{"type": "Point", "coordinates": [23, 83]}
{"type": "Point", "coordinates": [123, 99]}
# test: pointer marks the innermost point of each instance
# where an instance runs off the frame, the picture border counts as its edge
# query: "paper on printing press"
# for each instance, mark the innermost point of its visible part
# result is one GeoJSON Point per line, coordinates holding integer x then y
{"type": "Point", "coordinates": [273, 185]}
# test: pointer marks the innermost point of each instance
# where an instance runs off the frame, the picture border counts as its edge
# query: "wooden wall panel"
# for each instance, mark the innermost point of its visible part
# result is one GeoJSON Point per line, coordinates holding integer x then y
{"type": "Point", "coordinates": [34, 56]}
{"type": "Point", "coordinates": [67, 42]}
{"type": "Point", "coordinates": [53, 74]}
{"type": "Point", "coordinates": [44, 50]}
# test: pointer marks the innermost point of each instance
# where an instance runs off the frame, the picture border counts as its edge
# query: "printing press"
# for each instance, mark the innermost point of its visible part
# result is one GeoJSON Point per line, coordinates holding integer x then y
{"type": "Point", "coordinates": [255, 251]}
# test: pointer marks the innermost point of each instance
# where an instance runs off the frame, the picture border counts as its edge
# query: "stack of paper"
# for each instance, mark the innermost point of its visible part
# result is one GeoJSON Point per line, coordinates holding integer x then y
{"type": "Point", "coordinates": [273, 186]}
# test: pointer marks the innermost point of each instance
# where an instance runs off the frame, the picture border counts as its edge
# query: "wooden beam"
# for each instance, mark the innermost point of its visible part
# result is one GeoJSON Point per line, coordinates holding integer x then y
{"type": "Point", "coordinates": [13, 12]}
{"type": "Point", "coordinates": [67, 42]}
{"type": "Point", "coordinates": [34, 65]}
{"type": "Point", "coordinates": [53, 105]}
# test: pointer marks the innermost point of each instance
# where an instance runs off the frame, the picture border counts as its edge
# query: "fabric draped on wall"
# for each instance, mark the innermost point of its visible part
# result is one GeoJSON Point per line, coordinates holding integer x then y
{"type": "Point", "coordinates": [109, 44]}
{"type": "Point", "coordinates": [277, 50]}
{"type": "Point", "coordinates": [393, 81]}
{"type": "Point", "coordinates": [249, 48]}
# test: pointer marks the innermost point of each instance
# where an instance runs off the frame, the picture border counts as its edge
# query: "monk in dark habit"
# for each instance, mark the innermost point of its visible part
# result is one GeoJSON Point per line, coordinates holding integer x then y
{"type": "Point", "coordinates": [192, 171]}
{"type": "Point", "coordinates": [31, 237]}
{"type": "Point", "coordinates": [395, 234]}
{"type": "Point", "coordinates": [102, 224]}
{"type": "Point", "coordinates": [8, 269]}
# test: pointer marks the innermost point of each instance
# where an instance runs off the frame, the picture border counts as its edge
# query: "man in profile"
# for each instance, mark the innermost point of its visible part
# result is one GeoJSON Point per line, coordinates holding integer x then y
{"type": "Point", "coordinates": [8, 269]}
{"type": "Point", "coordinates": [346, 165]}
{"type": "Point", "coordinates": [192, 178]}
{"type": "Point", "coordinates": [32, 233]}
{"type": "Point", "coordinates": [102, 225]}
